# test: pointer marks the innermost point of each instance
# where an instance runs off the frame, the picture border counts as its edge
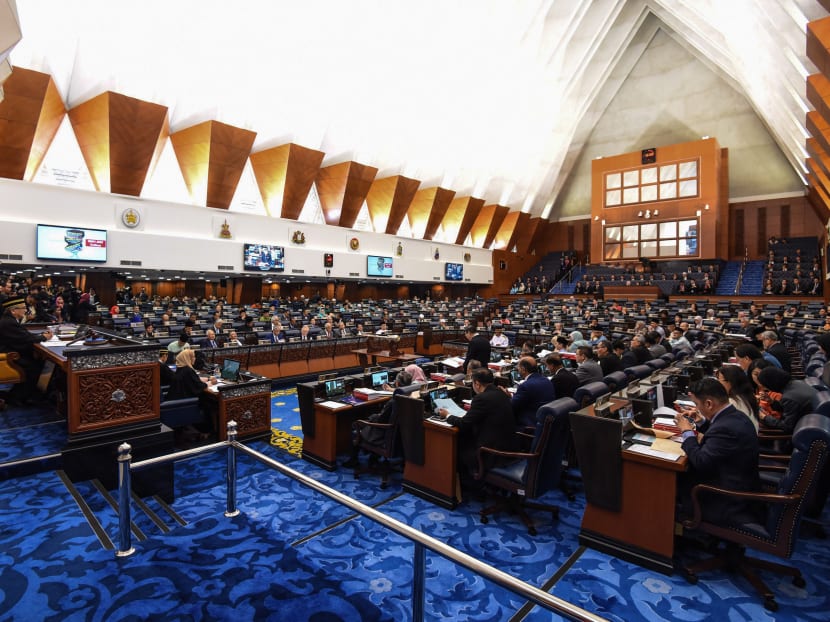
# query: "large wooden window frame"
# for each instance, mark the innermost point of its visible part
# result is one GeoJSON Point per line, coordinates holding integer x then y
{"type": "Point", "coordinates": [669, 181]}
{"type": "Point", "coordinates": [653, 239]}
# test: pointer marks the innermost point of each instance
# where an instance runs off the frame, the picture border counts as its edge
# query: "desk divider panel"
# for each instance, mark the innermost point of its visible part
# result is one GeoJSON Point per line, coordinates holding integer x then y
{"type": "Point", "coordinates": [598, 449]}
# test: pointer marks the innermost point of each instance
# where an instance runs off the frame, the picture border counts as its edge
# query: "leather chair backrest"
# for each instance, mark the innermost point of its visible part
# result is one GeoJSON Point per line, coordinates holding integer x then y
{"type": "Point", "coordinates": [589, 392]}
{"type": "Point", "coordinates": [639, 371]}
{"type": "Point", "coordinates": [821, 403]}
{"type": "Point", "coordinates": [553, 430]}
{"type": "Point", "coordinates": [658, 363]}
{"type": "Point", "coordinates": [616, 380]}
{"type": "Point", "coordinates": [811, 444]}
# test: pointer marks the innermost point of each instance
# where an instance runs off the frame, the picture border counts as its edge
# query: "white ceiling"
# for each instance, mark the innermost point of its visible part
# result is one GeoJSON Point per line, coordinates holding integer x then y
{"type": "Point", "coordinates": [494, 98]}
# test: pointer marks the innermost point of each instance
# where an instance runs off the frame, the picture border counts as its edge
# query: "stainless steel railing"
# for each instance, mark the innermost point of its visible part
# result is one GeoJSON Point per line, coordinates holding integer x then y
{"type": "Point", "coordinates": [418, 538]}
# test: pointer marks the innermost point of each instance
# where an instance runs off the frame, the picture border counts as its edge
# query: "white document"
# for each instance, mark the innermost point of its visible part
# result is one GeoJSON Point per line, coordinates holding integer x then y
{"type": "Point", "coordinates": [453, 408]}
{"type": "Point", "coordinates": [455, 361]}
{"type": "Point", "coordinates": [332, 405]}
{"type": "Point", "coordinates": [648, 451]}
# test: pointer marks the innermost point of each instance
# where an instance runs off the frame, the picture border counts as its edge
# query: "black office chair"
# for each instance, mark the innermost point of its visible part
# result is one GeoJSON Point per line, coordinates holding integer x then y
{"type": "Point", "coordinates": [531, 473]}
{"type": "Point", "coordinates": [382, 442]}
{"type": "Point", "coordinates": [588, 393]}
{"type": "Point", "coordinates": [616, 380]}
{"type": "Point", "coordinates": [784, 510]}
{"type": "Point", "coordinates": [181, 413]}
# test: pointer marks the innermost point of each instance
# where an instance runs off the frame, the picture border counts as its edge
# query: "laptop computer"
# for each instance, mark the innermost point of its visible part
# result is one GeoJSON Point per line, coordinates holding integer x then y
{"type": "Point", "coordinates": [379, 378]}
{"type": "Point", "coordinates": [335, 389]}
{"type": "Point", "coordinates": [230, 370]}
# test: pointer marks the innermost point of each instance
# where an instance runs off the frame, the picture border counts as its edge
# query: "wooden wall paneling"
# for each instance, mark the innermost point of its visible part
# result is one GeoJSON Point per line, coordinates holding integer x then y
{"type": "Point", "coordinates": [585, 245]}
{"type": "Point", "coordinates": [137, 131]}
{"type": "Point", "coordinates": [342, 189]}
{"type": "Point", "coordinates": [818, 93]}
{"type": "Point", "coordinates": [526, 233]}
{"type": "Point", "coordinates": [815, 150]}
{"type": "Point", "coordinates": [737, 226]}
{"type": "Point", "coordinates": [388, 200]}
{"type": "Point", "coordinates": [499, 215]}
{"type": "Point", "coordinates": [785, 221]}
{"type": "Point", "coordinates": [818, 126]}
{"type": "Point", "coordinates": [722, 231]}
{"type": "Point", "coordinates": [506, 235]}
{"type": "Point", "coordinates": [474, 206]}
{"type": "Point", "coordinates": [819, 200]}
{"type": "Point", "coordinates": [30, 115]}
{"type": "Point", "coordinates": [433, 201]}
{"type": "Point", "coordinates": [761, 228]}
{"type": "Point", "coordinates": [481, 225]}
{"type": "Point", "coordinates": [284, 176]}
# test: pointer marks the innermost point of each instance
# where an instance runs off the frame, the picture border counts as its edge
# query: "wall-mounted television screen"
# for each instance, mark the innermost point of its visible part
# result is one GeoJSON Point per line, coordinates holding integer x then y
{"type": "Point", "coordinates": [378, 266]}
{"type": "Point", "coordinates": [454, 271]}
{"type": "Point", "coordinates": [71, 243]}
{"type": "Point", "coordinates": [264, 258]}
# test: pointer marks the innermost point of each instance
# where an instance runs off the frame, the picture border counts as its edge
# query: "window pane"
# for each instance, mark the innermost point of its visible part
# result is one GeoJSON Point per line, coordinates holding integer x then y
{"type": "Point", "coordinates": [668, 248]}
{"type": "Point", "coordinates": [648, 232]}
{"type": "Point", "coordinates": [631, 178]}
{"type": "Point", "coordinates": [648, 175]}
{"type": "Point", "coordinates": [688, 188]}
{"type": "Point", "coordinates": [688, 169]}
{"type": "Point", "coordinates": [668, 191]}
{"type": "Point", "coordinates": [613, 180]}
{"type": "Point", "coordinates": [612, 251]}
{"type": "Point", "coordinates": [631, 250]}
{"type": "Point", "coordinates": [631, 233]}
{"type": "Point", "coordinates": [648, 249]}
{"type": "Point", "coordinates": [631, 195]}
{"type": "Point", "coordinates": [668, 230]}
{"type": "Point", "coordinates": [648, 193]}
{"type": "Point", "coordinates": [612, 234]}
{"type": "Point", "coordinates": [688, 228]}
{"type": "Point", "coordinates": [668, 172]}
{"type": "Point", "coordinates": [612, 198]}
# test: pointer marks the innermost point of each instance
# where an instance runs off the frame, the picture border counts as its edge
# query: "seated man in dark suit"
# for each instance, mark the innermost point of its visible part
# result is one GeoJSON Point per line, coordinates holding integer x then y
{"type": "Point", "coordinates": [534, 391]}
{"type": "Point", "coordinates": [564, 381]}
{"type": "Point", "coordinates": [488, 423]}
{"type": "Point", "coordinates": [15, 338]}
{"type": "Point", "coordinates": [726, 455]}
{"type": "Point", "coordinates": [210, 340]}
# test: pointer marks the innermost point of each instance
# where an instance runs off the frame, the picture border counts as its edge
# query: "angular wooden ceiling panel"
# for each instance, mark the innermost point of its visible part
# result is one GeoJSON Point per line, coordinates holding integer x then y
{"type": "Point", "coordinates": [284, 175]}
{"type": "Point", "coordinates": [428, 210]}
{"type": "Point", "coordinates": [481, 225]}
{"type": "Point", "coordinates": [388, 200]}
{"type": "Point", "coordinates": [509, 229]}
{"type": "Point", "coordinates": [459, 218]}
{"type": "Point", "coordinates": [495, 222]}
{"type": "Point", "coordinates": [212, 156]}
{"type": "Point", "coordinates": [342, 189]}
{"type": "Point", "coordinates": [30, 116]}
{"type": "Point", "coordinates": [121, 139]}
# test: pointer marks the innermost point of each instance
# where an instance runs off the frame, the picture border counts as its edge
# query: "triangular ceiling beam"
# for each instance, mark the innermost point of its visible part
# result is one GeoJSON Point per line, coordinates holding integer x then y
{"type": "Point", "coordinates": [284, 176]}
{"type": "Point", "coordinates": [121, 139]}
{"type": "Point", "coordinates": [342, 189]}
{"type": "Point", "coordinates": [388, 200]}
{"type": "Point", "coordinates": [30, 116]}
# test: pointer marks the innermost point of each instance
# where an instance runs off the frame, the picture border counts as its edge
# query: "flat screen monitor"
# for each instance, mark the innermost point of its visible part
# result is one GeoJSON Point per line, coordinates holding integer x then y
{"type": "Point", "coordinates": [263, 258]}
{"type": "Point", "coordinates": [454, 271]}
{"type": "Point", "coordinates": [380, 378]}
{"type": "Point", "coordinates": [643, 412]}
{"type": "Point", "coordinates": [650, 394]}
{"type": "Point", "coordinates": [377, 265]}
{"type": "Point", "coordinates": [71, 243]}
{"type": "Point", "coordinates": [335, 388]}
{"type": "Point", "coordinates": [230, 369]}
{"type": "Point", "coordinates": [695, 373]}
{"type": "Point", "coordinates": [431, 396]}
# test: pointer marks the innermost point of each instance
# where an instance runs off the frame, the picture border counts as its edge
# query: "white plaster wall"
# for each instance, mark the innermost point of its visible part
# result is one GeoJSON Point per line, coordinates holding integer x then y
{"type": "Point", "coordinates": [173, 236]}
{"type": "Point", "coordinates": [670, 97]}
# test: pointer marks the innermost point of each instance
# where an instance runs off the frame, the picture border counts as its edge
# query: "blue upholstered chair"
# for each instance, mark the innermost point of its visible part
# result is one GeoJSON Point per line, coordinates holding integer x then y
{"type": "Point", "coordinates": [656, 364]}
{"type": "Point", "coordinates": [638, 372]}
{"type": "Point", "coordinates": [528, 475]}
{"type": "Point", "coordinates": [776, 534]}
{"type": "Point", "coordinates": [616, 380]}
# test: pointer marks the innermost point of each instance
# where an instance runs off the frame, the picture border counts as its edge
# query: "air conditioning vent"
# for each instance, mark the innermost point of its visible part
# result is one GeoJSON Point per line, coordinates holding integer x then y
{"type": "Point", "coordinates": [228, 268]}
{"type": "Point", "coordinates": [130, 262]}
{"type": "Point", "coordinates": [296, 271]}
{"type": "Point", "coordinates": [16, 257]}
{"type": "Point", "coordinates": [354, 273]}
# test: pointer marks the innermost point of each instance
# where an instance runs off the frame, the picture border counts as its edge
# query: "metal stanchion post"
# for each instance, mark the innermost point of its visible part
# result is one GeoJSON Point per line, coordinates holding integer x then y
{"type": "Point", "coordinates": [125, 547]}
{"type": "Point", "coordinates": [231, 510]}
{"type": "Point", "coordinates": [418, 569]}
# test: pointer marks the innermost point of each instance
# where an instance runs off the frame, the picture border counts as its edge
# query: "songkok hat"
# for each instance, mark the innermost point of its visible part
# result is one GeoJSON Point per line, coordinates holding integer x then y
{"type": "Point", "coordinates": [13, 302]}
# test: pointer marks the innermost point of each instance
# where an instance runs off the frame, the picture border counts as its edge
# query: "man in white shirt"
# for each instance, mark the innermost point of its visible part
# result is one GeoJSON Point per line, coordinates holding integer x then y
{"type": "Point", "coordinates": [499, 339]}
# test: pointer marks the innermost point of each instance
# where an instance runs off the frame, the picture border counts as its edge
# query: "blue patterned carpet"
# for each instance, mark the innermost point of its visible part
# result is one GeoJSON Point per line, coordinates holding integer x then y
{"type": "Point", "coordinates": [295, 555]}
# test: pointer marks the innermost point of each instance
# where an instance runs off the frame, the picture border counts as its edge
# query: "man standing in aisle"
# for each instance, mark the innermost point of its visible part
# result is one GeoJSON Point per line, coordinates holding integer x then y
{"type": "Point", "coordinates": [478, 348]}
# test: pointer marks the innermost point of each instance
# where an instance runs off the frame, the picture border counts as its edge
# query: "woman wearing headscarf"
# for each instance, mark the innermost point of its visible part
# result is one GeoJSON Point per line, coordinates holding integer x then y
{"type": "Point", "coordinates": [187, 382]}
{"type": "Point", "coordinates": [416, 373]}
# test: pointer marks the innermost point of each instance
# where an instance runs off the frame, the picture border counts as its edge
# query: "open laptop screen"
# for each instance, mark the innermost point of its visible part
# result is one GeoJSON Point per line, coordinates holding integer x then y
{"type": "Point", "coordinates": [380, 378]}
{"type": "Point", "coordinates": [335, 388]}
{"type": "Point", "coordinates": [230, 369]}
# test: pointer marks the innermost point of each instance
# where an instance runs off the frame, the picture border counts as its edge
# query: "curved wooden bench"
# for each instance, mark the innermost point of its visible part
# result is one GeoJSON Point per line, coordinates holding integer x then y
{"type": "Point", "coordinates": [10, 371]}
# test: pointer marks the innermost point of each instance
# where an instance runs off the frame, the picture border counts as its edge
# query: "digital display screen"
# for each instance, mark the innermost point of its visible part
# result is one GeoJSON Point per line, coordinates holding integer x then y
{"type": "Point", "coordinates": [328, 260]}
{"type": "Point", "coordinates": [263, 258]}
{"type": "Point", "coordinates": [454, 272]}
{"type": "Point", "coordinates": [380, 378]}
{"type": "Point", "coordinates": [335, 387]}
{"type": "Point", "coordinates": [71, 243]}
{"type": "Point", "coordinates": [378, 266]}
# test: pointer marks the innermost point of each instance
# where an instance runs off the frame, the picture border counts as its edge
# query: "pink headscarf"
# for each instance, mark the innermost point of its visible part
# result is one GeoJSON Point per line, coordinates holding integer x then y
{"type": "Point", "coordinates": [417, 373]}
